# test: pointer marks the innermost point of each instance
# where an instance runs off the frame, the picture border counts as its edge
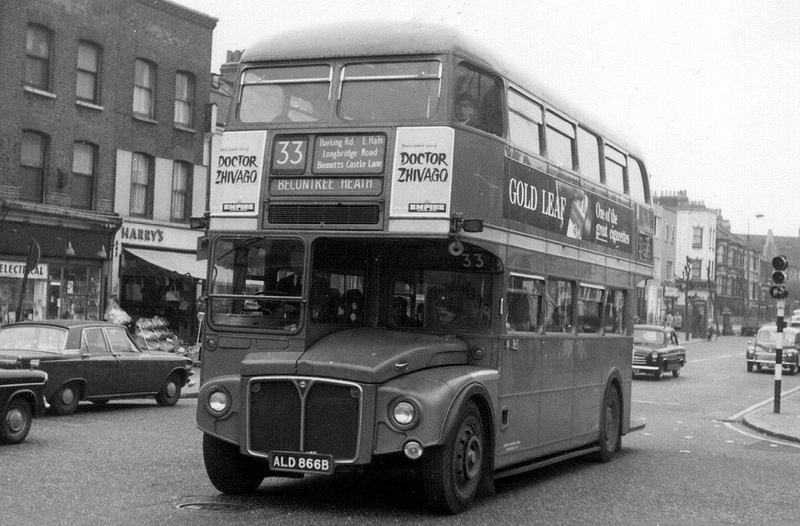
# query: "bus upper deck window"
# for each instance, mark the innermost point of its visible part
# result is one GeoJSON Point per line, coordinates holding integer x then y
{"type": "Point", "coordinates": [286, 94]}
{"type": "Point", "coordinates": [390, 91]}
{"type": "Point", "coordinates": [485, 92]}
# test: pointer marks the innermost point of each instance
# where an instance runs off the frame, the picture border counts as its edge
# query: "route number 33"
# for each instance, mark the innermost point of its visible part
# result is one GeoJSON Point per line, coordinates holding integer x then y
{"type": "Point", "coordinates": [289, 154]}
{"type": "Point", "coordinates": [472, 260]}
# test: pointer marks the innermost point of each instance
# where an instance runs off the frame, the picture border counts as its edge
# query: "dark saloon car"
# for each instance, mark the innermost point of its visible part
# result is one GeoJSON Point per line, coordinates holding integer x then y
{"type": "Point", "coordinates": [761, 353]}
{"type": "Point", "coordinates": [92, 360]}
{"type": "Point", "coordinates": [656, 351]}
{"type": "Point", "coordinates": [20, 400]}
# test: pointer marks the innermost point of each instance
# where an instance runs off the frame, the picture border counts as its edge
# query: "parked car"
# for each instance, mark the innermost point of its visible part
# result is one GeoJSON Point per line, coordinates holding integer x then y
{"type": "Point", "coordinates": [794, 319]}
{"type": "Point", "coordinates": [20, 400]}
{"type": "Point", "coordinates": [761, 352]}
{"type": "Point", "coordinates": [92, 360]}
{"type": "Point", "coordinates": [656, 351]}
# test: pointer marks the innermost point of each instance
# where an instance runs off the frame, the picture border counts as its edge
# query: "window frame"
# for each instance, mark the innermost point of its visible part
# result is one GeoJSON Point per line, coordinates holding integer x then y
{"type": "Point", "coordinates": [187, 103]}
{"type": "Point", "coordinates": [185, 193]}
{"type": "Point", "coordinates": [144, 87]}
{"type": "Point", "coordinates": [136, 185]}
{"type": "Point", "coordinates": [526, 114]}
{"type": "Point", "coordinates": [40, 169]}
{"type": "Point", "coordinates": [558, 126]}
{"type": "Point", "coordinates": [697, 237]}
{"type": "Point", "coordinates": [83, 72]}
{"type": "Point", "coordinates": [42, 60]}
{"type": "Point", "coordinates": [614, 156]}
{"type": "Point", "coordinates": [91, 175]}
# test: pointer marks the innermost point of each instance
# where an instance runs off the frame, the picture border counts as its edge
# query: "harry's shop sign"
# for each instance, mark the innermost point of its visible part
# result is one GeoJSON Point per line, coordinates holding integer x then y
{"type": "Point", "coordinates": [16, 269]}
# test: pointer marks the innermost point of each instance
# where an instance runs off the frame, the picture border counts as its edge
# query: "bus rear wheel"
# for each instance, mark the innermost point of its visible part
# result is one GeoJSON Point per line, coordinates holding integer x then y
{"type": "Point", "coordinates": [453, 470]}
{"type": "Point", "coordinates": [229, 471]}
{"type": "Point", "coordinates": [610, 441]}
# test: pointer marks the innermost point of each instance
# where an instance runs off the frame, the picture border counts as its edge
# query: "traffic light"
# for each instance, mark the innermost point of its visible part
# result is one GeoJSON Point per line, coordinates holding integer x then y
{"type": "Point", "coordinates": [778, 288]}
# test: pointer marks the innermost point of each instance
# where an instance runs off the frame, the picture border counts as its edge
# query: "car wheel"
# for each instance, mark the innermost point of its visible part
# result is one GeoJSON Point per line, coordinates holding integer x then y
{"type": "Point", "coordinates": [758, 366]}
{"type": "Point", "coordinates": [610, 441]}
{"type": "Point", "coordinates": [677, 372]}
{"type": "Point", "coordinates": [793, 369]}
{"type": "Point", "coordinates": [229, 471]}
{"type": "Point", "coordinates": [66, 399]}
{"type": "Point", "coordinates": [658, 374]}
{"type": "Point", "coordinates": [170, 392]}
{"type": "Point", "coordinates": [16, 422]}
{"type": "Point", "coordinates": [749, 367]}
{"type": "Point", "coordinates": [452, 472]}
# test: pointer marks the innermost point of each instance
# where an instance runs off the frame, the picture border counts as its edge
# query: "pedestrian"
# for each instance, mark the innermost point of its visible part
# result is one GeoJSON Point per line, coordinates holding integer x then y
{"type": "Point", "coordinates": [668, 320]}
{"type": "Point", "coordinates": [711, 330]}
{"type": "Point", "coordinates": [677, 322]}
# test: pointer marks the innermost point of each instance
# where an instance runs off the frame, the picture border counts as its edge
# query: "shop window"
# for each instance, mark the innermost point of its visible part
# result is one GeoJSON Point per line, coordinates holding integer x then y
{"type": "Point", "coordinates": [181, 194]}
{"type": "Point", "coordinates": [141, 204]}
{"type": "Point", "coordinates": [37, 57]}
{"type": "Point", "coordinates": [33, 160]}
{"type": "Point", "coordinates": [144, 86]}
{"type": "Point", "coordinates": [184, 98]}
{"type": "Point", "coordinates": [83, 168]}
{"type": "Point", "coordinates": [87, 83]}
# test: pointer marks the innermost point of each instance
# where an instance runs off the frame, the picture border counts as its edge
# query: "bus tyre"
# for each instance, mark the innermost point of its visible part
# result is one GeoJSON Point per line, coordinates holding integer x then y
{"type": "Point", "coordinates": [229, 471]}
{"type": "Point", "coordinates": [452, 471]}
{"type": "Point", "coordinates": [610, 415]}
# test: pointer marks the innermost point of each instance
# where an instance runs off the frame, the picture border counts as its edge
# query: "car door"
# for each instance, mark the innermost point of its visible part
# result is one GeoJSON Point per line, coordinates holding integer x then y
{"type": "Point", "coordinates": [100, 369]}
{"type": "Point", "coordinates": [135, 368]}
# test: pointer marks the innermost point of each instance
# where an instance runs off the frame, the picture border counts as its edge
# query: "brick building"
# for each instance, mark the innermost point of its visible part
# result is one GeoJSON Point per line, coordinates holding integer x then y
{"type": "Point", "coordinates": [101, 155]}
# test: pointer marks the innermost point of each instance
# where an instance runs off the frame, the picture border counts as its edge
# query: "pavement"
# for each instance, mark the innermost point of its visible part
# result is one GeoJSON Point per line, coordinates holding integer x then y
{"type": "Point", "coordinates": [784, 425]}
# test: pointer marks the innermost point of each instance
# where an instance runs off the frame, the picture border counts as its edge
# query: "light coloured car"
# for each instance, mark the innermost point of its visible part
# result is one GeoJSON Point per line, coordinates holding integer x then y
{"type": "Point", "coordinates": [761, 352]}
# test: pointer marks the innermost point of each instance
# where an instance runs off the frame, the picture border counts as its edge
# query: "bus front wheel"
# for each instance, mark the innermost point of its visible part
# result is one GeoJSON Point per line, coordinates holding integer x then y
{"type": "Point", "coordinates": [230, 471]}
{"type": "Point", "coordinates": [453, 470]}
{"type": "Point", "coordinates": [610, 415]}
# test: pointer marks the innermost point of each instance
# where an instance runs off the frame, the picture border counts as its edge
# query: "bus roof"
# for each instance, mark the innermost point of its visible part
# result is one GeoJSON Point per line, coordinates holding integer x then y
{"type": "Point", "coordinates": [371, 38]}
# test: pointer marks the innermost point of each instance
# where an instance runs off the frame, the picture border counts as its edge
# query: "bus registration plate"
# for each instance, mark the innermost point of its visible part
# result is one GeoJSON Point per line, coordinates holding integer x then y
{"type": "Point", "coordinates": [300, 462]}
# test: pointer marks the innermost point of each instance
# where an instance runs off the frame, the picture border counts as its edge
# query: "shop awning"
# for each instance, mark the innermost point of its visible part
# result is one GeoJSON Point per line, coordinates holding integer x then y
{"type": "Point", "coordinates": [179, 262]}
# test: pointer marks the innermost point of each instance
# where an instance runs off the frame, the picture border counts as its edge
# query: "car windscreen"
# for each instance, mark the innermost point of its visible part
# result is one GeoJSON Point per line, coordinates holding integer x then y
{"type": "Point", "coordinates": [769, 337]}
{"type": "Point", "coordinates": [645, 337]}
{"type": "Point", "coordinates": [33, 338]}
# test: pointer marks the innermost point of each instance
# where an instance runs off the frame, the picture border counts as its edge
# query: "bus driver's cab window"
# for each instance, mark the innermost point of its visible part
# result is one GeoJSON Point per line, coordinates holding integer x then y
{"type": "Point", "coordinates": [477, 99]}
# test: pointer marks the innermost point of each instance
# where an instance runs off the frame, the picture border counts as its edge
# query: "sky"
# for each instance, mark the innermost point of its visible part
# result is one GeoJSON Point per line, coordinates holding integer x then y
{"type": "Point", "coordinates": [709, 90]}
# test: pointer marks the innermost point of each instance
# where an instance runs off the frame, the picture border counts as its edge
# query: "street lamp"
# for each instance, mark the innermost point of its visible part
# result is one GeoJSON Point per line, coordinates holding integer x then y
{"type": "Point", "coordinates": [748, 264]}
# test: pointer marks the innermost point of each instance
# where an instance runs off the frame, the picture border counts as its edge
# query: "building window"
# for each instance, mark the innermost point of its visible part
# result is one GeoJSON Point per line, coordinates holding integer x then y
{"type": "Point", "coordinates": [181, 195]}
{"type": "Point", "coordinates": [144, 89]}
{"type": "Point", "coordinates": [184, 98]}
{"type": "Point", "coordinates": [697, 237]}
{"type": "Point", "coordinates": [83, 167]}
{"type": "Point", "coordinates": [669, 272]}
{"type": "Point", "coordinates": [33, 161]}
{"type": "Point", "coordinates": [37, 61]}
{"type": "Point", "coordinates": [141, 185]}
{"type": "Point", "coordinates": [615, 169]}
{"type": "Point", "coordinates": [560, 138]}
{"type": "Point", "coordinates": [697, 267]}
{"type": "Point", "coordinates": [87, 83]}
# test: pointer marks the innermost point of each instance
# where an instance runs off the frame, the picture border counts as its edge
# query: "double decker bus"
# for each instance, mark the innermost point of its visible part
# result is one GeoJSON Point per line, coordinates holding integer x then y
{"type": "Point", "coordinates": [418, 257]}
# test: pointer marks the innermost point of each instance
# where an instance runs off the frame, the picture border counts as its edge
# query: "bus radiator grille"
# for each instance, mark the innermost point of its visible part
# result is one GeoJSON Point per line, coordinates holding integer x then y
{"type": "Point", "coordinates": [323, 418]}
{"type": "Point", "coordinates": [323, 214]}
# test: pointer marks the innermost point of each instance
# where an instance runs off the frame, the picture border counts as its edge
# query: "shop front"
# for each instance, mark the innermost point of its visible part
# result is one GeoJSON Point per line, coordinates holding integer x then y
{"type": "Point", "coordinates": [53, 262]}
{"type": "Point", "coordinates": [158, 281]}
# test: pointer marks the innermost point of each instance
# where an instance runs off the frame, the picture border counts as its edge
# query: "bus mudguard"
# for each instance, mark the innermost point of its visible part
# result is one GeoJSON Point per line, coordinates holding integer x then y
{"type": "Point", "coordinates": [437, 395]}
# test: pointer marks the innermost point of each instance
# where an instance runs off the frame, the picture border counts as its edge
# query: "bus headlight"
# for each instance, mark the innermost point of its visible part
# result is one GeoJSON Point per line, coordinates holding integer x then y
{"type": "Point", "coordinates": [218, 402]}
{"type": "Point", "coordinates": [404, 413]}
